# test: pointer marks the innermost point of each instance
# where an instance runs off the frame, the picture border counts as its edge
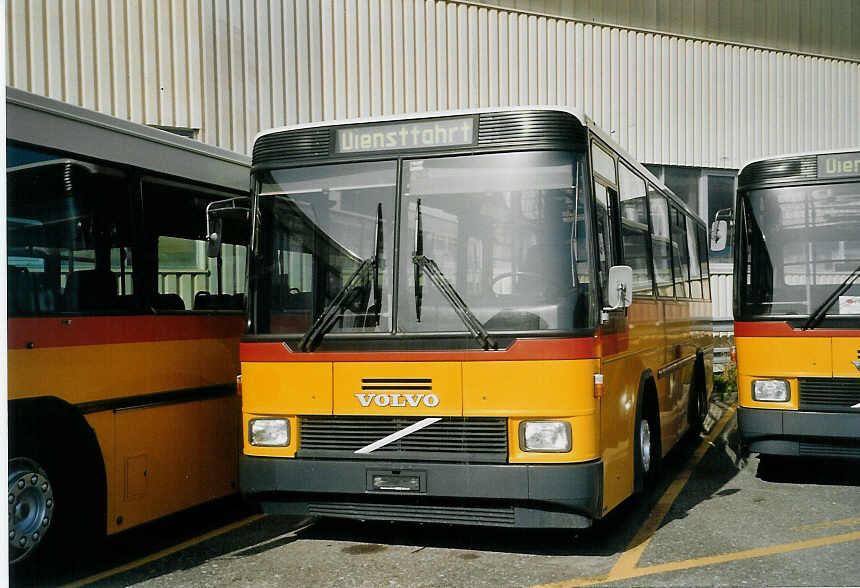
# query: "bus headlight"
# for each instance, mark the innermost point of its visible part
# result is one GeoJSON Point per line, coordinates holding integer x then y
{"type": "Point", "coordinates": [771, 390]}
{"type": "Point", "coordinates": [269, 432]}
{"type": "Point", "coordinates": [545, 436]}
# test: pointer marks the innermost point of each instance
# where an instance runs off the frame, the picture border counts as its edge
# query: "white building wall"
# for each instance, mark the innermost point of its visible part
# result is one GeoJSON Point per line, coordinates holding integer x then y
{"type": "Point", "coordinates": [231, 68]}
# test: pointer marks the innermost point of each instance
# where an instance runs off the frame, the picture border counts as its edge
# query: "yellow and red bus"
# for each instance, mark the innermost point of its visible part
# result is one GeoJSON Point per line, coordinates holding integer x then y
{"type": "Point", "coordinates": [797, 304]}
{"type": "Point", "coordinates": [490, 317]}
{"type": "Point", "coordinates": [122, 336]}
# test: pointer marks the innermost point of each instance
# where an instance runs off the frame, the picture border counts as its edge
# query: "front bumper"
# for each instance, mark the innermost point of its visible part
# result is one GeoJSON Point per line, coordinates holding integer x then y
{"type": "Point", "coordinates": [792, 432]}
{"type": "Point", "coordinates": [509, 495]}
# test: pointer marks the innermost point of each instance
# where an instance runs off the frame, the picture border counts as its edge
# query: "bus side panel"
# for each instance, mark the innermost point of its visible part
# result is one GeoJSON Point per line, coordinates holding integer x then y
{"type": "Point", "coordinates": [126, 369]}
{"type": "Point", "coordinates": [640, 348]}
{"type": "Point", "coordinates": [172, 457]}
{"type": "Point", "coordinates": [104, 427]}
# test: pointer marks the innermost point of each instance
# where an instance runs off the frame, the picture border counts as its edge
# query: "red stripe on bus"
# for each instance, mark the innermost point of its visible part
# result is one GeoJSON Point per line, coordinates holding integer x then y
{"type": "Point", "coordinates": [26, 333]}
{"type": "Point", "coordinates": [522, 349]}
{"type": "Point", "coordinates": [782, 329]}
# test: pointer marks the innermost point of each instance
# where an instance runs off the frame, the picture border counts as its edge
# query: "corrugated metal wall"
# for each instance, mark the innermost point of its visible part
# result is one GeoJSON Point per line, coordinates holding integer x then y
{"type": "Point", "coordinates": [823, 27]}
{"type": "Point", "coordinates": [231, 68]}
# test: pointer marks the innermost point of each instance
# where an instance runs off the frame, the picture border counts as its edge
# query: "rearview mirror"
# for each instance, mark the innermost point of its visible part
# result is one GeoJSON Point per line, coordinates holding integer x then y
{"type": "Point", "coordinates": [213, 236]}
{"type": "Point", "coordinates": [619, 287]}
{"type": "Point", "coordinates": [235, 208]}
{"type": "Point", "coordinates": [719, 235]}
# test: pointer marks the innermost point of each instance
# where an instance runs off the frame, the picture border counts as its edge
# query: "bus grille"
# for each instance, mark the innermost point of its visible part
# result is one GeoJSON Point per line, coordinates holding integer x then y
{"type": "Point", "coordinates": [451, 439]}
{"type": "Point", "coordinates": [417, 513]}
{"type": "Point", "coordinates": [829, 394]}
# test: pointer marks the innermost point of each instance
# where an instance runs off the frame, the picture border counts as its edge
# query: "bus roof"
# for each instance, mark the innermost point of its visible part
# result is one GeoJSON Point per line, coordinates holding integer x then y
{"type": "Point", "coordinates": [578, 114]}
{"type": "Point", "coordinates": [750, 162]}
{"type": "Point", "coordinates": [53, 124]}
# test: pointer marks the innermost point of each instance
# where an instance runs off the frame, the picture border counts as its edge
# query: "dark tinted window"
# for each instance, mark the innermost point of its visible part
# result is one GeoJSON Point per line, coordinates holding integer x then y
{"type": "Point", "coordinates": [69, 237]}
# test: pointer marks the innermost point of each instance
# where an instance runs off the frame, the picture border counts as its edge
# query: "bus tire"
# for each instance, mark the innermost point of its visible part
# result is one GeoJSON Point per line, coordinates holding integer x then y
{"type": "Point", "coordinates": [60, 515]}
{"type": "Point", "coordinates": [698, 408]}
{"type": "Point", "coordinates": [646, 439]}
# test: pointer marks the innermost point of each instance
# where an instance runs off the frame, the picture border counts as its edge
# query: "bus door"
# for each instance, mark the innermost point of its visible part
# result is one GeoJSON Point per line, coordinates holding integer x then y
{"type": "Point", "coordinates": [618, 403]}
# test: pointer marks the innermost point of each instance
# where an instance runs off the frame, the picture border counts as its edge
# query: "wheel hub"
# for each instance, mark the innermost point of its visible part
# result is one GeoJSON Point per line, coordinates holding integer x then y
{"type": "Point", "coordinates": [645, 445]}
{"type": "Point", "coordinates": [31, 507]}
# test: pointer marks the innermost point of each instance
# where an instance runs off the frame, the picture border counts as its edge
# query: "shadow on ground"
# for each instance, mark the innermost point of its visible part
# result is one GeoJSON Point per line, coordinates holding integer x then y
{"type": "Point", "coordinates": [808, 470]}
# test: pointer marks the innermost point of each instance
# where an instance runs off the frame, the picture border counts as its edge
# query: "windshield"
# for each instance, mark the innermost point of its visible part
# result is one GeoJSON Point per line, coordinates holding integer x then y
{"type": "Point", "coordinates": [507, 232]}
{"type": "Point", "coordinates": [798, 244]}
{"type": "Point", "coordinates": [317, 225]}
{"type": "Point", "coordinates": [504, 230]}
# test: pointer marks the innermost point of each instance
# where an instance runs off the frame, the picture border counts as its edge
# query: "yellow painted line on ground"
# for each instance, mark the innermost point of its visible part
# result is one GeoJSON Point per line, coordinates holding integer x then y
{"type": "Point", "coordinates": [626, 564]}
{"type": "Point", "coordinates": [828, 525]}
{"type": "Point", "coordinates": [699, 562]}
{"type": "Point", "coordinates": [630, 558]}
{"type": "Point", "coordinates": [736, 556]}
{"type": "Point", "coordinates": [165, 552]}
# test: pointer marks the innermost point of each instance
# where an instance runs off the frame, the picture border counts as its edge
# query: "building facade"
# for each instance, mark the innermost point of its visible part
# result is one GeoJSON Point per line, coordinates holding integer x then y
{"type": "Point", "coordinates": [691, 87]}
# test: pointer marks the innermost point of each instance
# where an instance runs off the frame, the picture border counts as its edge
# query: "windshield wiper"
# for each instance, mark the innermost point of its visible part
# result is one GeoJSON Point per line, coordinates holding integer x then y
{"type": "Point", "coordinates": [818, 315]}
{"type": "Point", "coordinates": [331, 313]}
{"type": "Point", "coordinates": [422, 262]}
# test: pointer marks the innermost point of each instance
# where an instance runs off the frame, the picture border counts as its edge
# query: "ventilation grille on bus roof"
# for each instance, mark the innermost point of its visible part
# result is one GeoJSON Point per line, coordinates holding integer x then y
{"type": "Point", "coordinates": [532, 129]}
{"type": "Point", "coordinates": [778, 171]}
{"type": "Point", "coordinates": [302, 144]}
{"type": "Point", "coordinates": [539, 128]}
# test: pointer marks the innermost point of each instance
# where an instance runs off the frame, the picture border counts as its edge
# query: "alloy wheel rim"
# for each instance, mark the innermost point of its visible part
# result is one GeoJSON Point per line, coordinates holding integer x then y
{"type": "Point", "coordinates": [31, 507]}
{"type": "Point", "coordinates": [645, 445]}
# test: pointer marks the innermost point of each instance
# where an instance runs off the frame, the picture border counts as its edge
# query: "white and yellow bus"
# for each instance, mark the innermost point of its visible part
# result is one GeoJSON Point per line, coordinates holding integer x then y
{"type": "Point", "coordinates": [491, 317]}
{"type": "Point", "coordinates": [797, 304]}
{"type": "Point", "coordinates": [122, 336]}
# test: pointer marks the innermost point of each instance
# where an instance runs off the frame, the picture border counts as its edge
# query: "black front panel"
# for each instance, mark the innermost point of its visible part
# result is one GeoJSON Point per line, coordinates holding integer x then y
{"type": "Point", "coordinates": [461, 439]}
{"type": "Point", "coordinates": [829, 394]}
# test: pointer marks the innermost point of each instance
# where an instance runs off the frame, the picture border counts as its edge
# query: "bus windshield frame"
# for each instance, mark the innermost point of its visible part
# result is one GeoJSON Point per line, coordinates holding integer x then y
{"type": "Point", "coordinates": [796, 244]}
{"type": "Point", "coordinates": [501, 227]}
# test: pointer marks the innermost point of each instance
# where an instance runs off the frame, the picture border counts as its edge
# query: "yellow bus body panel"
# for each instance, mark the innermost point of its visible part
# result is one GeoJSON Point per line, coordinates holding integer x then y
{"type": "Point", "coordinates": [491, 388]}
{"type": "Point", "coordinates": [846, 350]}
{"type": "Point", "coordinates": [87, 373]}
{"type": "Point", "coordinates": [529, 388]}
{"type": "Point", "coordinates": [785, 358]}
{"type": "Point", "coordinates": [141, 446]}
{"type": "Point", "coordinates": [163, 465]}
{"type": "Point", "coordinates": [271, 388]}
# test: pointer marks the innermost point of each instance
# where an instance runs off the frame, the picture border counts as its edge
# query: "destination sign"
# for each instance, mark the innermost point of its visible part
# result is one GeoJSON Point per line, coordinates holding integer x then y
{"type": "Point", "coordinates": [839, 165]}
{"type": "Point", "coordinates": [450, 132]}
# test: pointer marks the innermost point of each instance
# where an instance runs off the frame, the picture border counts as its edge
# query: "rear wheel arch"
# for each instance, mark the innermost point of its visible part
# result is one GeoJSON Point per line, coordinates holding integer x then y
{"type": "Point", "coordinates": [54, 436]}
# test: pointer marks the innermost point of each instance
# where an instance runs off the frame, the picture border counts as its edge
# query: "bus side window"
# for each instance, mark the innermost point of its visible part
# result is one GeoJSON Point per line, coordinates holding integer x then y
{"type": "Point", "coordinates": [695, 266]}
{"type": "Point", "coordinates": [186, 279]}
{"type": "Point", "coordinates": [660, 241]}
{"type": "Point", "coordinates": [680, 254]}
{"type": "Point", "coordinates": [634, 230]}
{"type": "Point", "coordinates": [68, 232]}
{"type": "Point", "coordinates": [604, 235]}
{"type": "Point", "coordinates": [702, 235]}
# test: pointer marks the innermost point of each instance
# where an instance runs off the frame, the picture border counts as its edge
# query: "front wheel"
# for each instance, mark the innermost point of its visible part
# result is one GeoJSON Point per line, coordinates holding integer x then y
{"type": "Point", "coordinates": [31, 507]}
{"type": "Point", "coordinates": [646, 448]}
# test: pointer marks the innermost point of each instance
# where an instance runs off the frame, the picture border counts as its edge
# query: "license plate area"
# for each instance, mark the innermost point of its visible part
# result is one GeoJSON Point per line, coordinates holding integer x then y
{"type": "Point", "coordinates": [397, 481]}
